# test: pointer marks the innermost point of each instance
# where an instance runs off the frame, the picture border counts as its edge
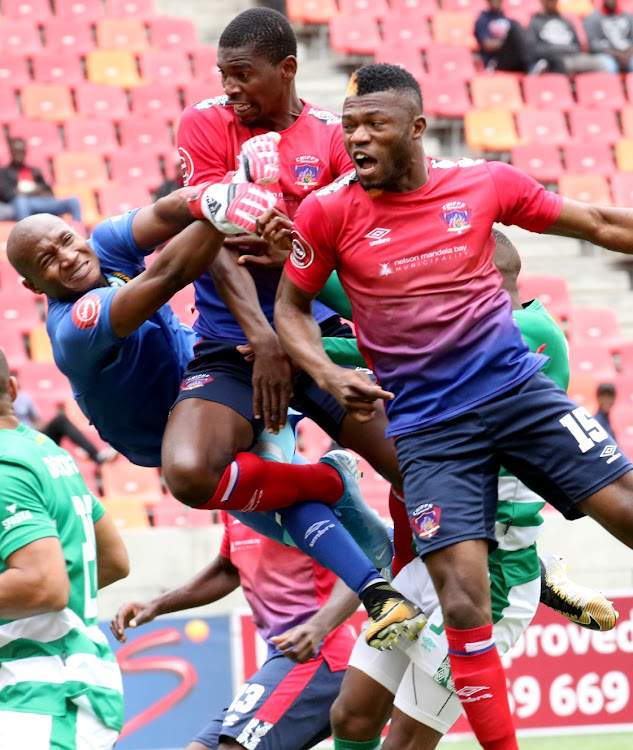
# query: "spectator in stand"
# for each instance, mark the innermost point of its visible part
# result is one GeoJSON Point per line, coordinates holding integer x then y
{"type": "Point", "coordinates": [554, 40]}
{"type": "Point", "coordinates": [59, 427]}
{"type": "Point", "coordinates": [609, 33]}
{"type": "Point", "coordinates": [25, 189]}
{"type": "Point", "coordinates": [502, 42]}
{"type": "Point", "coordinates": [606, 395]}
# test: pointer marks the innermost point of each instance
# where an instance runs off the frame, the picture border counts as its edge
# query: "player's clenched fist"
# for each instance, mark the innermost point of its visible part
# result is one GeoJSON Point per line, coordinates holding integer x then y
{"type": "Point", "coordinates": [232, 208]}
{"type": "Point", "coordinates": [259, 160]}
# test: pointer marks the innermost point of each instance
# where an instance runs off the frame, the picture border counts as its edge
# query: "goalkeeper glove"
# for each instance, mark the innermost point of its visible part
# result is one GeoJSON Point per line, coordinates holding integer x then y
{"type": "Point", "coordinates": [259, 160]}
{"type": "Point", "coordinates": [232, 208]}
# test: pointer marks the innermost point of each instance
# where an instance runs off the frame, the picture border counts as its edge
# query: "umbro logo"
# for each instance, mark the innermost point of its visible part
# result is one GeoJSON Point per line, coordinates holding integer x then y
{"type": "Point", "coordinates": [610, 452]}
{"type": "Point", "coordinates": [468, 694]}
{"type": "Point", "coordinates": [377, 234]}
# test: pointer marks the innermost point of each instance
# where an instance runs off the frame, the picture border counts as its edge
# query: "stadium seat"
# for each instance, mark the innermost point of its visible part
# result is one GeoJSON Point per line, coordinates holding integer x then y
{"type": "Point", "coordinates": [490, 130]}
{"type": "Point", "coordinates": [170, 33]}
{"type": "Point", "coordinates": [9, 110]}
{"type": "Point", "coordinates": [540, 160]}
{"type": "Point", "coordinates": [548, 91]}
{"type": "Point", "coordinates": [542, 126]}
{"type": "Point", "coordinates": [101, 100]}
{"type": "Point", "coordinates": [74, 34]}
{"type": "Point", "coordinates": [592, 124]}
{"type": "Point", "coordinates": [5, 230]}
{"type": "Point", "coordinates": [622, 189]}
{"type": "Point", "coordinates": [522, 10]}
{"type": "Point", "coordinates": [34, 11]}
{"type": "Point", "coordinates": [165, 66]}
{"type": "Point", "coordinates": [61, 67]}
{"type": "Point", "coordinates": [591, 325]}
{"type": "Point", "coordinates": [582, 390]}
{"type": "Point", "coordinates": [621, 418]}
{"type": "Point", "coordinates": [625, 359]}
{"type": "Point", "coordinates": [205, 64]}
{"type": "Point", "coordinates": [624, 155]}
{"type": "Point", "coordinates": [143, 9]}
{"type": "Point", "coordinates": [198, 91]}
{"type": "Point", "coordinates": [624, 386]}
{"type": "Point", "coordinates": [312, 440]}
{"type": "Point", "coordinates": [441, 100]}
{"type": "Point", "coordinates": [18, 311]}
{"type": "Point", "coordinates": [126, 33]}
{"type": "Point", "coordinates": [499, 91]}
{"type": "Point", "coordinates": [419, 8]}
{"type": "Point", "coordinates": [170, 512]}
{"type": "Point", "coordinates": [88, 10]}
{"type": "Point", "coordinates": [13, 348]}
{"type": "Point", "coordinates": [575, 7]}
{"type": "Point", "coordinates": [85, 194]}
{"type": "Point", "coordinates": [446, 62]}
{"type": "Point", "coordinates": [132, 166]}
{"type": "Point", "coordinates": [44, 382]}
{"type": "Point", "coordinates": [20, 36]}
{"type": "Point", "coordinates": [158, 100]}
{"type": "Point", "coordinates": [117, 199]}
{"type": "Point", "coordinates": [14, 71]}
{"type": "Point", "coordinates": [311, 11]}
{"type": "Point", "coordinates": [374, 9]}
{"type": "Point", "coordinates": [474, 6]}
{"type": "Point", "coordinates": [183, 305]}
{"type": "Point", "coordinates": [40, 347]}
{"type": "Point", "coordinates": [588, 188]}
{"type": "Point", "coordinates": [551, 290]}
{"type": "Point", "coordinates": [116, 67]}
{"type": "Point", "coordinates": [91, 135]}
{"type": "Point", "coordinates": [147, 134]}
{"type": "Point", "coordinates": [47, 101]}
{"type": "Point", "coordinates": [123, 478]}
{"type": "Point", "coordinates": [406, 28]}
{"type": "Point", "coordinates": [454, 27]}
{"type": "Point", "coordinates": [599, 90]}
{"type": "Point", "coordinates": [354, 35]}
{"type": "Point", "coordinates": [126, 512]}
{"type": "Point", "coordinates": [80, 168]}
{"type": "Point", "coordinates": [592, 359]}
{"type": "Point", "coordinates": [405, 55]}
{"type": "Point", "coordinates": [593, 158]}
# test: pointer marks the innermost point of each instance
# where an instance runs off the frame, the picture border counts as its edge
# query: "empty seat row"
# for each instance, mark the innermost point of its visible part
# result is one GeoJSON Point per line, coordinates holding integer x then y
{"type": "Point", "coordinates": [91, 10]}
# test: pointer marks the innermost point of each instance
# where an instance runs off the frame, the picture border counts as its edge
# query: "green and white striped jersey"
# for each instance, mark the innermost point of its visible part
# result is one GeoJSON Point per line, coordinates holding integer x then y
{"type": "Point", "coordinates": [49, 659]}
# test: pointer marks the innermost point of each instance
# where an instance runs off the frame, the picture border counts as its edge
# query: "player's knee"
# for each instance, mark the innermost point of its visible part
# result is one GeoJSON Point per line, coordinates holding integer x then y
{"type": "Point", "coordinates": [348, 723]}
{"type": "Point", "coordinates": [191, 480]}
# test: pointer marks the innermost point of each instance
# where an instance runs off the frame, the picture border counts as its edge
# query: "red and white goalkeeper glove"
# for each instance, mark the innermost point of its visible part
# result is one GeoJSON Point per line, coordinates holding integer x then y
{"type": "Point", "coordinates": [233, 208]}
{"type": "Point", "coordinates": [259, 160]}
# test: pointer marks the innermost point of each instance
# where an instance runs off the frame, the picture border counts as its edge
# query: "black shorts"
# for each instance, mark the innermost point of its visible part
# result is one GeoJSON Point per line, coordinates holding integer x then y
{"type": "Point", "coordinates": [220, 373]}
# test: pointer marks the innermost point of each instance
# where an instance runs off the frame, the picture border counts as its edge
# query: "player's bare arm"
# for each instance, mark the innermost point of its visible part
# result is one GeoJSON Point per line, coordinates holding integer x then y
{"type": "Point", "coordinates": [302, 642]}
{"type": "Point", "coordinates": [113, 562]}
{"type": "Point", "coordinates": [301, 337]}
{"type": "Point", "coordinates": [215, 581]}
{"type": "Point", "coordinates": [36, 580]}
{"type": "Point", "coordinates": [605, 226]}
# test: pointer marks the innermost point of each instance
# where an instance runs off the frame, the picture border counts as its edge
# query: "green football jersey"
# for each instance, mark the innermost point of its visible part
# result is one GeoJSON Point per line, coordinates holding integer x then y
{"type": "Point", "coordinates": [48, 659]}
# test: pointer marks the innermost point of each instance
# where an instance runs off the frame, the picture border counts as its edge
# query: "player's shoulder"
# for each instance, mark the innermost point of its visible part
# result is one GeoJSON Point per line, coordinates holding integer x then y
{"type": "Point", "coordinates": [339, 188]}
{"type": "Point", "coordinates": [214, 106]}
{"type": "Point", "coordinates": [320, 116]}
{"type": "Point", "coordinates": [455, 166]}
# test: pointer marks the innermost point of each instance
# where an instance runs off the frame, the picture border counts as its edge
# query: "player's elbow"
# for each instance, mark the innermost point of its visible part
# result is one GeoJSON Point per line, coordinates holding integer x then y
{"type": "Point", "coordinates": [49, 596]}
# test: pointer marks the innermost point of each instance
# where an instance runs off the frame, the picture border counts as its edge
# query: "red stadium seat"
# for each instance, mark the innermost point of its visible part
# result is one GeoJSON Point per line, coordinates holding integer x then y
{"type": "Point", "coordinates": [626, 117]}
{"type": "Point", "coordinates": [18, 311]}
{"type": "Point", "coordinates": [406, 56]}
{"type": "Point", "coordinates": [72, 34]}
{"type": "Point", "coordinates": [165, 67]}
{"type": "Point", "coordinates": [441, 100]}
{"type": "Point", "coordinates": [551, 290]}
{"type": "Point", "coordinates": [169, 33]}
{"type": "Point", "coordinates": [474, 6]}
{"type": "Point", "coordinates": [542, 126]}
{"type": "Point", "coordinates": [169, 512]}
{"type": "Point", "coordinates": [58, 67]}
{"type": "Point", "coordinates": [374, 9]}
{"type": "Point", "coordinates": [540, 160]}
{"type": "Point", "coordinates": [14, 71]}
{"type": "Point", "coordinates": [43, 138]}
{"type": "Point", "coordinates": [44, 382]}
{"type": "Point", "coordinates": [622, 189]}
{"type": "Point", "coordinates": [621, 418]}
{"type": "Point", "coordinates": [143, 9]}
{"type": "Point", "coordinates": [521, 10]}
{"type": "Point", "coordinates": [625, 359]}
{"type": "Point", "coordinates": [205, 63]}
{"type": "Point", "coordinates": [311, 11]}
{"type": "Point", "coordinates": [158, 100]}
{"type": "Point", "coordinates": [88, 10]}
{"type": "Point", "coordinates": [591, 124]}
{"type": "Point", "coordinates": [500, 90]}
{"type": "Point", "coordinates": [101, 100]}
{"type": "Point", "coordinates": [47, 101]}
{"type": "Point", "coordinates": [19, 36]}
{"type": "Point", "coordinates": [126, 33]}
{"type": "Point", "coordinates": [34, 11]}
{"type": "Point", "coordinates": [198, 91]}
{"type": "Point", "coordinates": [80, 168]}
{"type": "Point", "coordinates": [9, 110]}
{"type": "Point", "coordinates": [406, 28]}
{"type": "Point", "coordinates": [13, 348]}
{"type": "Point", "coordinates": [91, 135]}
{"type": "Point", "coordinates": [593, 325]}
{"type": "Point", "coordinates": [135, 167]}
{"type": "Point", "coordinates": [123, 478]}
{"type": "Point", "coordinates": [420, 8]}
{"type": "Point", "coordinates": [593, 158]}
{"type": "Point", "coordinates": [599, 90]}
{"type": "Point", "coordinates": [447, 62]}
{"type": "Point", "coordinates": [592, 359]}
{"type": "Point", "coordinates": [490, 130]}
{"type": "Point", "coordinates": [454, 27]}
{"type": "Point", "coordinates": [147, 134]}
{"type": "Point", "coordinates": [587, 188]}
{"type": "Point", "coordinates": [117, 199]}
{"type": "Point", "coordinates": [582, 390]}
{"type": "Point", "coordinates": [354, 35]}
{"type": "Point", "coordinates": [549, 91]}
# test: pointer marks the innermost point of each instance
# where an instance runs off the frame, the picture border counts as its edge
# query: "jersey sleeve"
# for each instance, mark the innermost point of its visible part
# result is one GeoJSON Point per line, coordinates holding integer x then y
{"type": "Point", "coordinates": [23, 511]}
{"type": "Point", "coordinates": [113, 241]}
{"type": "Point", "coordinates": [313, 256]}
{"type": "Point", "coordinates": [202, 146]}
{"type": "Point", "coordinates": [97, 509]}
{"type": "Point", "coordinates": [523, 201]}
{"type": "Point", "coordinates": [84, 335]}
{"type": "Point", "coordinates": [225, 544]}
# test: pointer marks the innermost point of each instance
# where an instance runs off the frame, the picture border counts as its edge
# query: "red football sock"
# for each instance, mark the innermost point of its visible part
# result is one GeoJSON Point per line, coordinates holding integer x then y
{"type": "Point", "coordinates": [402, 536]}
{"type": "Point", "coordinates": [250, 483]}
{"type": "Point", "coordinates": [480, 682]}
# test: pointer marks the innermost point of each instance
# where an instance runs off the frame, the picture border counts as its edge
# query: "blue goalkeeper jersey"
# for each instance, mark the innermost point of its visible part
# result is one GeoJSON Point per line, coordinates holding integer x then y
{"type": "Point", "coordinates": [125, 387]}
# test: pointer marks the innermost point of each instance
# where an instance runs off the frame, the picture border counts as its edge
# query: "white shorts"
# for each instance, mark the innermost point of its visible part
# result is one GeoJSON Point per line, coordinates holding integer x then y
{"type": "Point", "coordinates": [77, 730]}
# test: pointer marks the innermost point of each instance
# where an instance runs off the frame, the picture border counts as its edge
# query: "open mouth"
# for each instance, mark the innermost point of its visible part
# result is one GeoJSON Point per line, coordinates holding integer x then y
{"type": "Point", "coordinates": [365, 165]}
{"type": "Point", "coordinates": [240, 108]}
{"type": "Point", "coordinates": [80, 272]}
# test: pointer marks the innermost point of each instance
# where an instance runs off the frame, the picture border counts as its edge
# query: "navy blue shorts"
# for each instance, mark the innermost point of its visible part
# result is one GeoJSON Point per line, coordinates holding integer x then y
{"type": "Point", "coordinates": [283, 705]}
{"type": "Point", "coordinates": [534, 430]}
{"type": "Point", "coordinates": [220, 373]}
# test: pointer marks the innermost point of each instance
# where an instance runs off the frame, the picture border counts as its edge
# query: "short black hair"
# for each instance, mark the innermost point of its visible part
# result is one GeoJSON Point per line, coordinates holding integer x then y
{"type": "Point", "coordinates": [265, 29]}
{"type": "Point", "coordinates": [384, 77]}
{"type": "Point", "coordinates": [605, 388]}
